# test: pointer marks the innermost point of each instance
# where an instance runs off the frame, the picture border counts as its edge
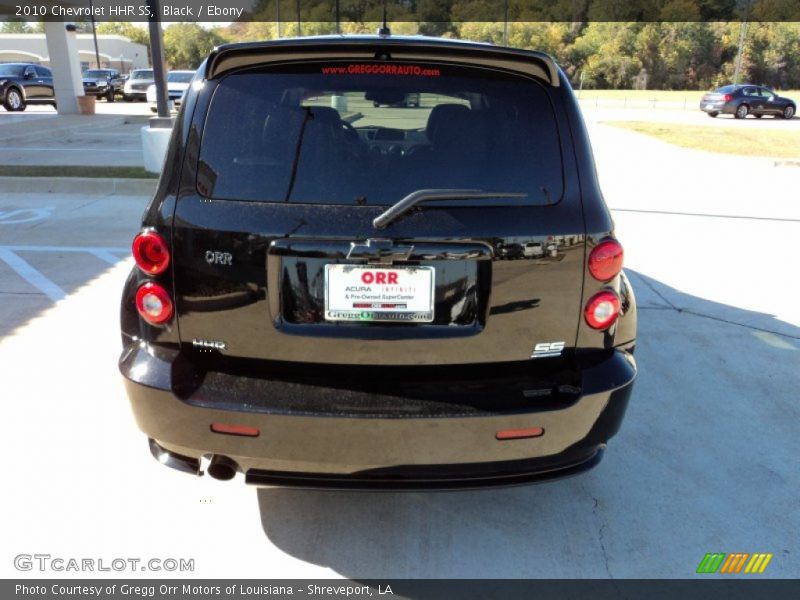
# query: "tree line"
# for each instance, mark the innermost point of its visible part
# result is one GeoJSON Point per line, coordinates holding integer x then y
{"type": "Point", "coordinates": [603, 55]}
{"type": "Point", "coordinates": [611, 55]}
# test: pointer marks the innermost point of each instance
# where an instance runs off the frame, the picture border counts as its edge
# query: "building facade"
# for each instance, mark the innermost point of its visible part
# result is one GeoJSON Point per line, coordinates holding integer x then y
{"type": "Point", "coordinates": [116, 51]}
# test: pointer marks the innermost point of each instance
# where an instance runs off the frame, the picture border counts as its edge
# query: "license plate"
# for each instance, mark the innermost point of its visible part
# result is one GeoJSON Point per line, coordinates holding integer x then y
{"type": "Point", "coordinates": [358, 293]}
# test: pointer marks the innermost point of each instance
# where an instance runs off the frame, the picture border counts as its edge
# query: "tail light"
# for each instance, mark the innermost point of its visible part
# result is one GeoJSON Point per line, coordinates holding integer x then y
{"type": "Point", "coordinates": [154, 304]}
{"type": "Point", "coordinates": [605, 260]}
{"type": "Point", "coordinates": [151, 252]}
{"type": "Point", "coordinates": [727, 97]}
{"type": "Point", "coordinates": [602, 310]}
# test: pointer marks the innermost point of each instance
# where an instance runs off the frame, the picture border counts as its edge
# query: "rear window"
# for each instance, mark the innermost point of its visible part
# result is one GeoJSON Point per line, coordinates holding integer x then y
{"type": "Point", "coordinates": [372, 133]}
{"type": "Point", "coordinates": [727, 89]}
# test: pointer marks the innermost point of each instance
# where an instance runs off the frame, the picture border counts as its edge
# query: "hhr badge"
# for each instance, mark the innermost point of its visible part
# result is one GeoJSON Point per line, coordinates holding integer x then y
{"type": "Point", "coordinates": [208, 345]}
{"type": "Point", "coordinates": [548, 349]}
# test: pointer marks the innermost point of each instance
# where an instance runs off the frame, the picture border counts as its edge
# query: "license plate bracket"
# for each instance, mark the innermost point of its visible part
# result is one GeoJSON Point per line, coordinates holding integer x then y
{"type": "Point", "coordinates": [363, 293]}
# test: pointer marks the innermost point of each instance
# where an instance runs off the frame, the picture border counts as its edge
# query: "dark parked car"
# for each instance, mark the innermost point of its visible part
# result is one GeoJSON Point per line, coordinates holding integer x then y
{"type": "Point", "coordinates": [22, 84]}
{"type": "Point", "coordinates": [105, 83]}
{"type": "Point", "coordinates": [136, 85]}
{"type": "Point", "coordinates": [745, 99]}
{"type": "Point", "coordinates": [312, 307]}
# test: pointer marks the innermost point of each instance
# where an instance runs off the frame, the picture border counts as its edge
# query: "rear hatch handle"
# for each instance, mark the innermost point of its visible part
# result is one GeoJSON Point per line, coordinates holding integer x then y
{"type": "Point", "coordinates": [427, 195]}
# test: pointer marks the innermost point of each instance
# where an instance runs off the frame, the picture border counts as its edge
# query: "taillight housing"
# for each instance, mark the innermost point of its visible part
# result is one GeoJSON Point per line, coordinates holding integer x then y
{"type": "Point", "coordinates": [602, 310]}
{"type": "Point", "coordinates": [154, 304]}
{"type": "Point", "coordinates": [605, 260]}
{"type": "Point", "coordinates": [727, 98]}
{"type": "Point", "coordinates": [150, 252]}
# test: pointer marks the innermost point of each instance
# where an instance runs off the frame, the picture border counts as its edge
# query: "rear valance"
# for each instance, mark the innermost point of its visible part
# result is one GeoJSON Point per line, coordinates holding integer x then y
{"type": "Point", "coordinates": [237, 56]}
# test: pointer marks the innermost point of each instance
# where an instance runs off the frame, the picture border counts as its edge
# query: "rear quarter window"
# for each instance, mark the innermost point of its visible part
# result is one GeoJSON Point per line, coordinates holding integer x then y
{"type": "Point", "coordinates": [372, 133]}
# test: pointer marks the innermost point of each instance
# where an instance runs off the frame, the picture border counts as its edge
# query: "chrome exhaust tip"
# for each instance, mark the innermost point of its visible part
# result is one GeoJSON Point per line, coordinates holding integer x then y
{"type": "Point", "coordinates": [222, 468]}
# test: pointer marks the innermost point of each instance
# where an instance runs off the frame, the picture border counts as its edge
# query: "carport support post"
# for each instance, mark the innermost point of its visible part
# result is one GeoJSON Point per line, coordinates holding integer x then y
{"type": "Point", "coordinates": [66, 67]}
{"type": "Point", "coordinates": [157, 52]}
{"type": "Point", "coordinates": [155, 137]}
{"type": "Point", "coordinates": [94, 37]}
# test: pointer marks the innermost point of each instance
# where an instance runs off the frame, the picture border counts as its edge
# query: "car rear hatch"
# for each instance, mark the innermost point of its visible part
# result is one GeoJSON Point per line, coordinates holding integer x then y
{"type": "Point", "coordinates": [279, 248]}
{"type": "Point", "coordinates": [713, 98]}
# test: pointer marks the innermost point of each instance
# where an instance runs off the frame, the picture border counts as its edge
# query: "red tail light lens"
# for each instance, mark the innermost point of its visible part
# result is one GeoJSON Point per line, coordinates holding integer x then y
{"type": "Point", "coordinates": [154, 304]}
{"type": "Point", "coordinates": [605, 260]}
{"type": "Point", "coordinates": [727, 98]}
{"type": "Point", "coordinates": [151, 252]}
{"type": "Point", "coordinates": [602, 310]}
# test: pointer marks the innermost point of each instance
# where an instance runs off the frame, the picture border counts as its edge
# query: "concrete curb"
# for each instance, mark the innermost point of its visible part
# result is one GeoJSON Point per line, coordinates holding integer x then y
{"type": "Point", "coordinates": [87, 186]}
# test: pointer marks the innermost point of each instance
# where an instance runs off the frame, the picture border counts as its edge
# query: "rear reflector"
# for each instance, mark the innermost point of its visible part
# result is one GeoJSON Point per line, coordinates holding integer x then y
{"type": "Point", "coordinates": [519, 434]}
{"type": "Point", "coordinates": [605, 260]}
{"type": "Point", "coordinates": [230, 429]}
{"type": "Point", "coordinates": [154, 304]}
{"type": "Point", "coordinates": [602, 310]}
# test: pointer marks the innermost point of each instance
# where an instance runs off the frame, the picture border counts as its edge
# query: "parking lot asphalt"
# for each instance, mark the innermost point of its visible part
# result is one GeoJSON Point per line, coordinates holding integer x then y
{"type": "Point", "coordinates": [39, 136]}
{"type": "Point", "coordinates": [706, 460]}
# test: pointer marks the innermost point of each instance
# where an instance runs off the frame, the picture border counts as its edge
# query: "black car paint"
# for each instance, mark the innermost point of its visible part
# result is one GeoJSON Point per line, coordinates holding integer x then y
{"type": "Point", "coordinates": [747, 99]}
{"type": "Point", "coordinates": [288, 376]}
{"type": "Point", "coordinates": [34, 83]}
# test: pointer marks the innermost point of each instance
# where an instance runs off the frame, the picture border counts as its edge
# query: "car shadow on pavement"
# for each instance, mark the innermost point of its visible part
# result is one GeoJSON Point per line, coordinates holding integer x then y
{"type": "Point", "coordinates": [705, 462]}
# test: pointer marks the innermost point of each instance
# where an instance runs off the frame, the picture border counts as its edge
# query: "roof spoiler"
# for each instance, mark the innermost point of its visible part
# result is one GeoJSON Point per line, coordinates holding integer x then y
{"type": "Point", "coordinates": [236, 56]}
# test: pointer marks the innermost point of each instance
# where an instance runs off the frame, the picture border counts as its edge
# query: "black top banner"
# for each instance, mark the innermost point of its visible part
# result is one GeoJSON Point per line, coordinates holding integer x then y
{"type": "Point", "coordinates": [372, 11]}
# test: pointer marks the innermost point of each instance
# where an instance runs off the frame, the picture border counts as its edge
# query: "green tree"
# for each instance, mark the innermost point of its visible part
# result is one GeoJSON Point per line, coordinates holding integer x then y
{"type": "Point", "coordinates": [186, 45]}
{"type": "Point", "coordinates": [15, 25]}
{"type": "Point", "coordinates": [138, 35]}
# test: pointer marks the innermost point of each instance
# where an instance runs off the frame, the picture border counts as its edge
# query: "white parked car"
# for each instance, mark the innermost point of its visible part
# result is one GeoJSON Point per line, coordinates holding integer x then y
{"type": "Point", "coordinates": [135, 87]}
{"type": "Point", "coordinates": [177, 84]}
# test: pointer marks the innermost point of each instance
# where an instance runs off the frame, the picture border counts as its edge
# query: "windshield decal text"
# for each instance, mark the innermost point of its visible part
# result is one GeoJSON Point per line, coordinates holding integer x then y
{"type": "Point", "coordinates": [382, 69]}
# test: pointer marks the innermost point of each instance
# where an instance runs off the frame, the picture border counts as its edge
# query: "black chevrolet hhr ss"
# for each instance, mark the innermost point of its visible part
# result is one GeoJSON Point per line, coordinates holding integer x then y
{"type": "Point", "coordinates": [337, 288]}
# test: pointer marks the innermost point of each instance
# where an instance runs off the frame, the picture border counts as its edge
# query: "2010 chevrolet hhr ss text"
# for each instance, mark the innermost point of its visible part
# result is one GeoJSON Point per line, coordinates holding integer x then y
{"type": "Point", "coordinates": [379, 263]}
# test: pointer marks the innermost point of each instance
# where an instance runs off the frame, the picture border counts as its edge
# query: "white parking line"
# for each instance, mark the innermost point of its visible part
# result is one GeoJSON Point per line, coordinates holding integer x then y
{"type": "Point", "coordinates": [99, 148]}
{"type": "Point", "coordinates": [13, 217]}
{"type": "Point", "coordinates": [104, 254]}
{"type": "Point", "coordinates": [32, 276]}
{"type": "Point", "coordinates": [35, 278]}
{"type": "Point", "coordinates": [90, 249]}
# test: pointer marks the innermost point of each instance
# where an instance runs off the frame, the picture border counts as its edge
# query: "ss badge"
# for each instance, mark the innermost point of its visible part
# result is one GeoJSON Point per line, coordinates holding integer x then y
{"type": "Point", "coordinates": [548, 349]}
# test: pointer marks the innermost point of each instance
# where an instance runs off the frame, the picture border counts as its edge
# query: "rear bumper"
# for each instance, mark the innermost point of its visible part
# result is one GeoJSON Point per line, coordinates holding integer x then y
{"type": "Point", "coordinates": [176, 101]}
{"type": "Point", "coordinates": [727, 109]}
{"type": "Point", "coordinates": [372, 452]}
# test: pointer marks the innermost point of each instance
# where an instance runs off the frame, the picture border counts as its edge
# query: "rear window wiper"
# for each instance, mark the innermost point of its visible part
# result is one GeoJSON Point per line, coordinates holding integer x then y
{"type": "Point", "coordinates": [414, 198]}
{"type": "Point", "coordinates": [296, 161]}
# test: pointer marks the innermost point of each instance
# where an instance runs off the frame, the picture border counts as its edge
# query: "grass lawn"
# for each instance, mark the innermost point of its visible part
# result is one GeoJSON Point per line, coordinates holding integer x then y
{"type": "Point", "coordinates": [70, 171]}
{"type": "Point", "coordinates": [641, 96]}
{"type": "Point", "coordinates": [755, 142]}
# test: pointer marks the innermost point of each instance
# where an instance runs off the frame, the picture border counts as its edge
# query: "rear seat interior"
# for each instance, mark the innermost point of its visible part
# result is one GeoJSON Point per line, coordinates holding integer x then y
{"type": "Point", "coordinates": [462, 144]}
